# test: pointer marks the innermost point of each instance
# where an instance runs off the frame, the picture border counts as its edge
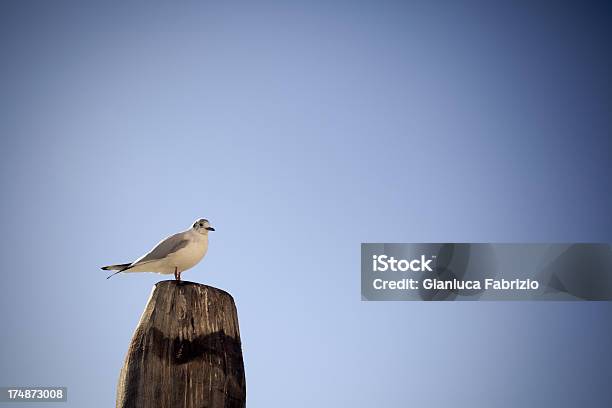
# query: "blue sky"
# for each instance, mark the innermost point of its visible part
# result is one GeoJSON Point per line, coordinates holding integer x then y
{"type": "Point", "coordinates": [301, 130]}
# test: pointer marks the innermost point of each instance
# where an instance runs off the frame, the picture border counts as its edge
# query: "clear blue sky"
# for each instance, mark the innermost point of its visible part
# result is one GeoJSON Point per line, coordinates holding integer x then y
{"type": "Point", "coordinates": [301, 130]}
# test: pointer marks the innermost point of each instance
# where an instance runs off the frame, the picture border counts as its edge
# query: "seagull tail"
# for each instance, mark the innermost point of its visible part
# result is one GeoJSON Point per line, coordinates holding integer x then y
{"type": "Point", "coordinates": [119, 268]}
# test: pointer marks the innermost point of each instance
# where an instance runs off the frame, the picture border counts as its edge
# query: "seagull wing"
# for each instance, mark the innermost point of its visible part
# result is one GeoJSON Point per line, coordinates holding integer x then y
{"type": "Point", "coordinates": [166, 247]}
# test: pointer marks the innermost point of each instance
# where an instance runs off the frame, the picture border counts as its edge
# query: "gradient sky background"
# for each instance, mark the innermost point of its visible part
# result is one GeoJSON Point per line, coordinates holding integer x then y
{"type": "Point", "coordinates": [301, 130]}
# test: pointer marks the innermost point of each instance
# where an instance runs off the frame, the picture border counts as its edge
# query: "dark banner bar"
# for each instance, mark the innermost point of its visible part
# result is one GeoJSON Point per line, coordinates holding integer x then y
{"type": "Point", "coordinates": [464, 271]}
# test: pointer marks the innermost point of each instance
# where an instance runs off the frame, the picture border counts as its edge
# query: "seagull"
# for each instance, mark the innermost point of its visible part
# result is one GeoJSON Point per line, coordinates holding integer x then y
{"type": "Point", "coordinates": [175, 254]}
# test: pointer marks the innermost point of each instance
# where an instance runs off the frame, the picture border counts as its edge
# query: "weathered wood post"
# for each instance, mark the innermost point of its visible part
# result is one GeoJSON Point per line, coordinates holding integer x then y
{"type": "Point", "coordinates": [185, 351]}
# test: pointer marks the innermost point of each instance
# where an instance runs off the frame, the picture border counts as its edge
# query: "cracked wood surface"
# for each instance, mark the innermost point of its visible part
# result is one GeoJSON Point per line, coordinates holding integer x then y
{"type": "Point", "coordinates": [185, 352]}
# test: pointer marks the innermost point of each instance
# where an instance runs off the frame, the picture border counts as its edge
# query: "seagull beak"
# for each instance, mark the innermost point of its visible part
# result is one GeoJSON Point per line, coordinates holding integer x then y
{"type": "Point", "coordinates": [210, 228]}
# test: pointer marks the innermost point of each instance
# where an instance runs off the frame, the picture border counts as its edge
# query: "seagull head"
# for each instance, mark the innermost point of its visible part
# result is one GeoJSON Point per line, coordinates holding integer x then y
{"type": "Point", "coordinates": [202, 226]}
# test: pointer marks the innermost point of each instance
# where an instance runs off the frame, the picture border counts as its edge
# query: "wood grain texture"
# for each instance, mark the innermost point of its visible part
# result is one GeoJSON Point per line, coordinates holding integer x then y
{"type": "Point", "coordinates": [185, 351]}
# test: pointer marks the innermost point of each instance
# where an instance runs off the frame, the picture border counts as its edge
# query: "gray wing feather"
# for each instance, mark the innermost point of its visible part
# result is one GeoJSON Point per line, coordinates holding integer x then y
{"type": "Point", "coordinates": [164, 248]}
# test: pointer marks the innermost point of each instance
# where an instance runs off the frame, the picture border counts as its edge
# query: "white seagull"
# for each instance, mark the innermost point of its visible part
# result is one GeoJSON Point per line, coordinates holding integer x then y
{"type": "Point", "coordinates": [175, 254]}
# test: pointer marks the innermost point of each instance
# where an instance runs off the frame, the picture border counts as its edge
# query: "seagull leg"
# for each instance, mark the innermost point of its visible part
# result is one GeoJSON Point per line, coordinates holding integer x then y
{"type": "Point", "coordinates": [177, 276]}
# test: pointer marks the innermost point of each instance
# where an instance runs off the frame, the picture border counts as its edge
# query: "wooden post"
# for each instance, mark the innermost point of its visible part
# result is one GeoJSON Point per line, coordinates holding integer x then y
{"type": "Point", "coordinates": [185, 351]}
